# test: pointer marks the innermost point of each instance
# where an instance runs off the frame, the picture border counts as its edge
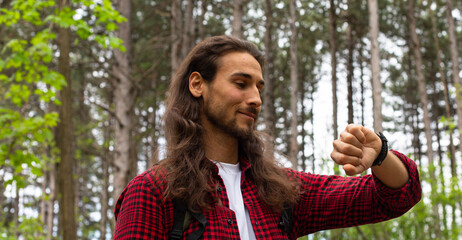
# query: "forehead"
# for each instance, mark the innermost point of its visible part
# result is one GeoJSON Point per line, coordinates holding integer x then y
{"type": "Point", "coordinates": [239, 62]}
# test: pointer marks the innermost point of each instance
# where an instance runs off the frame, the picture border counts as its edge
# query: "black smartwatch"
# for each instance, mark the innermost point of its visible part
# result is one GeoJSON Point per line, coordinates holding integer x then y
{"type": "Point", "coordinates": [383, 152]}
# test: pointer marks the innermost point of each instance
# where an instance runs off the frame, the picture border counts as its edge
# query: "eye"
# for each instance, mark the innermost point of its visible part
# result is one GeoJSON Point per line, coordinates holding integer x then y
{"type": "Point", "coordinates": [240, 84]}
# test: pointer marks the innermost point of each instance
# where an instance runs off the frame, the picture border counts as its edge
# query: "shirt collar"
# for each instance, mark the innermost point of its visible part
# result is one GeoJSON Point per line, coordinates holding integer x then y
{"type": "Point", "coordinates": [244, 165]}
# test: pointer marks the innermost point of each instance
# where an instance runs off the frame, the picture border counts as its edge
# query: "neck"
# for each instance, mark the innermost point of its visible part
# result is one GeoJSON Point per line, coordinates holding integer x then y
{"type": "Point", "coordinates": [221, 147]}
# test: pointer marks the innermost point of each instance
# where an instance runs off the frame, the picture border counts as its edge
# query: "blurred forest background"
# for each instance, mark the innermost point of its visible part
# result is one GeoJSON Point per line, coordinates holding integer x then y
{"type": "Point", "coordinates": [83, 85]}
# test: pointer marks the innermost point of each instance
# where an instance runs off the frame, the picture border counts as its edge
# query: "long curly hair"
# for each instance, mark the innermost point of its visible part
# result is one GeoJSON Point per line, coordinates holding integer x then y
{"type": "Point", "coordinates": [188, 172]}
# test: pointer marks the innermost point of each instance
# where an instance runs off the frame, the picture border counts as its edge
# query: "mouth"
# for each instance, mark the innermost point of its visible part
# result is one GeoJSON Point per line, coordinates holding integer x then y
{"type": "Point", "coordinates": [250, 113]}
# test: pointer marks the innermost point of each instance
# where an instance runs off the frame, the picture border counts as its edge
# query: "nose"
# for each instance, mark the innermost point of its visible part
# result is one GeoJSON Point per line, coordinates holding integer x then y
{"type": "Point", "coordinates": [254, 98]}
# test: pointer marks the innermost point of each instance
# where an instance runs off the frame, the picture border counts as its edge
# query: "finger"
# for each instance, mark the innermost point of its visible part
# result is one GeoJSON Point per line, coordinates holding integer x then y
{"type": "Point", "coordinates": [343, 159]}
{"type": "Point", "coordinates": [372, 139]}
{"type": "Point", "coordinates": [357, 131]}
{"type": "Point", "coordinates": [351, 170]}
{"type": "Point", "coordinates": [347, 149]}
{"type": "Point", "coordinates": [349, 138]}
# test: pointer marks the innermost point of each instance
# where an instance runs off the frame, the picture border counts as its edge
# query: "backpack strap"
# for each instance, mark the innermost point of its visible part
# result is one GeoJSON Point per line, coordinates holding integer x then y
{"type": "Point", "coordinates": [178, 220]}
{"type": "Point", "coordinates": [182, 219]}
{"type": "Point", "coordinates": [286, 221]}
{"type": "Point", "coordinates": [202, 221]}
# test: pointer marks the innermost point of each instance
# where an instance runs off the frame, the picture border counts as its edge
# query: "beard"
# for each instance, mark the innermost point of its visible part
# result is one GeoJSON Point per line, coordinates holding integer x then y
{"type": "Point", "coordinates": [216, 115]}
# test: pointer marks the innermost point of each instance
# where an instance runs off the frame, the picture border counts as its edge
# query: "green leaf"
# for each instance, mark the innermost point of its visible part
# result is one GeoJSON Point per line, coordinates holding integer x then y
{"type": "Point", "coordinates": [18, 94]}
{"type": "Point", "coordinates": [117, 43]}
{"type": "Point", "coordinates": [37, 171]}
{"type": "Point", "coordinates": [111, 26]}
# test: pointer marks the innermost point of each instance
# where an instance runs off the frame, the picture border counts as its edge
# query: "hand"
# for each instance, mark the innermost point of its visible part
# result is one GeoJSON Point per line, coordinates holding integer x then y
{"type": "Point", "coordinates": [356, 149]}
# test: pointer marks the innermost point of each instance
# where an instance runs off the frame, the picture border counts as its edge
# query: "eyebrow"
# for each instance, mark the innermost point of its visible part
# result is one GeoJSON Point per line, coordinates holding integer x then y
{"type": "Point", "coordinates": [248, 76]}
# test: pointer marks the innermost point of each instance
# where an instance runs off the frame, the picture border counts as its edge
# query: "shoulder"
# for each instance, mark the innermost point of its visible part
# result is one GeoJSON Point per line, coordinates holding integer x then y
{"type": "Point", "coordinates": [154, 178]}
{"type": "Point", "coordinates": [142, 206]}
{"type": "Point", "coordinates": [145, 189]}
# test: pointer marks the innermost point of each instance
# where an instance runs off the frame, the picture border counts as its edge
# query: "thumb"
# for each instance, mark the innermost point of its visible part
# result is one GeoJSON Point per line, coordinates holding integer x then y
{"type": "Point", "coordinates": [352, 170]}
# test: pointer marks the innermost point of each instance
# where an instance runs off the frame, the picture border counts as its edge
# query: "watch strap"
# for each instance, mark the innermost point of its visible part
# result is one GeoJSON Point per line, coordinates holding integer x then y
{"type": "Point", "coordinates": [383, 152]}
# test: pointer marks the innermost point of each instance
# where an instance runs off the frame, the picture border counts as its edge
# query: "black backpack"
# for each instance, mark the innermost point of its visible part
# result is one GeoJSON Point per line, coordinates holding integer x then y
{"type": "Point", "coordinates": [182, 218]}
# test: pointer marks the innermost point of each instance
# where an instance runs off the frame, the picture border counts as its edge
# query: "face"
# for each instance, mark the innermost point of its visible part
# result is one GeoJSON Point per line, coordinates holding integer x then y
{"type": "Point", "coordinates": [232, 100]}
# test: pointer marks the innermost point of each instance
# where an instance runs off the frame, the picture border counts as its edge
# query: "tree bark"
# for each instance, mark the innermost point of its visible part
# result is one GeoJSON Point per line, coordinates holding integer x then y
{"type": "Point", "coordinates": [16, 213]}
{"type": "Point", "coordinates": [422, 88]}
{"type": "Point", "coordinates": [65, 138]}
{"type": "Point", "coordinates": [375, 65]}
{"type": "Point", "coordinates": [43, 201]}
{"type": "Point", "coordinates": [303, 117]}
{"type": "Point", "coordinates": [2, 190]}
{"type": "Point", "coordinates": [269, 112]}
{"type": "Point", "coordinates": [153, 145]}
{"type": "Point", "coordinates": [361, 70]}
{"type": "Point", "coordinates": [350, 74]}
{"type": "Point", "coordinates": [333, 51]}
{"type": "Point", "coordinates": [51, 202]}
{"type": "Point", "coordinates": [188, 29]}
{"type": "Point", "coordinates": [124, 98]}
{"type": "Point", "coordinates": [294, 86]}
{"type": "Point", "coordinates": [238, 12]}
{"type": "Point", "coordinates": [455, 70]}
{"type": "Point", "coordinates": [447, 102]}
{"type": "Point", "coordinates": [105, 184]}
{"type": "Point", "coordinates": [420, 79]}
{"type": "Point", "coordinates": [201, 17]}
{"type": "Point", "coordinates": [175, 34]}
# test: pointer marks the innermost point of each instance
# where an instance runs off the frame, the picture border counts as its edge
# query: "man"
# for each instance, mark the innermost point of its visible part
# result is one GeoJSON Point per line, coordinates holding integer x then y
{"type": "Point", "coordinates": [220, 167]}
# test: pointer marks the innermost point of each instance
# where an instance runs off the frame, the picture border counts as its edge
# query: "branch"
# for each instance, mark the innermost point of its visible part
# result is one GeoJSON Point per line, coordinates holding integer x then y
{"type": "Point", "coordinates": [112, 113]}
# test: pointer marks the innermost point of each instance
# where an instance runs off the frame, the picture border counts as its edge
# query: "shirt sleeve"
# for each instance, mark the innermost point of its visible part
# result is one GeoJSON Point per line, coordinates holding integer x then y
{"type": "Point", "coordinates": [335, 202]}
{"type": "Point", "coordinates": [138, 211]}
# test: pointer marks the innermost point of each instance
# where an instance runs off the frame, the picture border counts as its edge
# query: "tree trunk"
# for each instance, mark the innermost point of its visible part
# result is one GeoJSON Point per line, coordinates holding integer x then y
{"type": "Point", "coordinates": [105, 182]}
{"type": "Point", "coordinates": [312, 157]}
{"type": "Point", "coordinates": [238, 12]}
{"type": "Point", "coordinates": [79, 189]}
{"type": "Point", "coordinates": [175, 34]}
{"type": "Point", "coordinates": [188, 29]}
{"type": "Point", "coordinates": [333, 51]}
{"type": "Point", "coordinates": [124, 98]}
{"type": "Point", "coordinates": [375, 65]}
{"type": "Point", "coordinates": [269, 112]}
{"type": "Point", "coordinates": [293, 86]}
{"type": "Point", "coordinates": [303, 116]}
{"type": "Point", "coordinates": [420, 80]}
{"type": "Point", "coordinates": [153, 144]}
{"type": "Point", "coordinates": [424, 102]}
{"type": "Point", "coordinates": [2, 190]}
{"type": "Point", "coordinates": [16, 213]}
{"type": "Point", "coordinates": [416, 134]}
{"type": "Point", "coordinates": [361, 70]}
{"type": "Point", "coordinates": [43, 200]}
{"type": "Point", "coordinates": [51, 202]}
{"type": "Point", "coordinates": [200, 20]}
{"type": "Point", "coordinates": [65, 138]}
{"type": "Point", "coordinates": [350, 74]}
{"type": "Point", "coordinates": [447, 102]}
{"type": "Point", "coordinates": [455, 70]}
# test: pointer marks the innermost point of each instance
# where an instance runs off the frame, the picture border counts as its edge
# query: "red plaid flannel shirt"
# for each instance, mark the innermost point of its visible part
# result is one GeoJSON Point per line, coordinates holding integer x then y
{"type": "Point", "coordinates": [327, 202]}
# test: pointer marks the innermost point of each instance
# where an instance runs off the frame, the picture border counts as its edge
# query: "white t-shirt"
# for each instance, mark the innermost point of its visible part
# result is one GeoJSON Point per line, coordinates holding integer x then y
{"type": "Point", "coordinates": [231, 175]}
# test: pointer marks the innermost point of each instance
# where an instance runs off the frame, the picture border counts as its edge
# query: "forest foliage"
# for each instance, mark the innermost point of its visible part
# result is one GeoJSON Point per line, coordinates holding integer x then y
{"type": "Point", "coordinates": [121, 55]}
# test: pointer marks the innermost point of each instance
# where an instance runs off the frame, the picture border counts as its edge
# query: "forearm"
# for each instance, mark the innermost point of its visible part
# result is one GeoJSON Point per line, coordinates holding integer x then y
{"type": "Point", "coordinates": [392, 171]}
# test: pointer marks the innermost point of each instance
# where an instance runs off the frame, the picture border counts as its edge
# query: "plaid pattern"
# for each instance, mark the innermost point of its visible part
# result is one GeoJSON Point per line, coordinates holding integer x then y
{"type": "Point", "coordinates": [327, 202]}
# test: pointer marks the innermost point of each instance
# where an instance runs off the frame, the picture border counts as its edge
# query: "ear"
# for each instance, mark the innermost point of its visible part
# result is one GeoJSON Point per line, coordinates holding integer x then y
{"type": "Point", "coordinates": [196, 84]}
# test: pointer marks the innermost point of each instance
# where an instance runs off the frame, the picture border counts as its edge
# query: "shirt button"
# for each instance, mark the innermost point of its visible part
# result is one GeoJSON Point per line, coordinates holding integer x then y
{"type": "Point", "coordinates": [256, 223]}
{"type": "Point", "coordinates": [230, 221]}
{"type": "Point", "coordinates": [219, 189]}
